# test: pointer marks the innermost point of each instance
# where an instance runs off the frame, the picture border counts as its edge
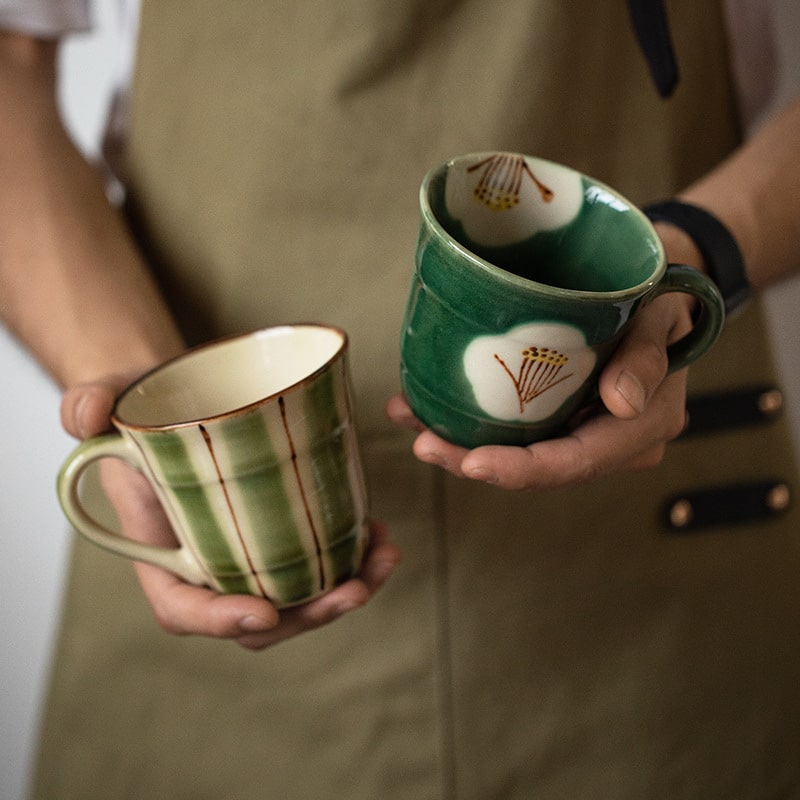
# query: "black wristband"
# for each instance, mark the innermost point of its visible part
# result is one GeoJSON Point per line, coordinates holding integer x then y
{"type": "Point", "coordinates": [722, 256]}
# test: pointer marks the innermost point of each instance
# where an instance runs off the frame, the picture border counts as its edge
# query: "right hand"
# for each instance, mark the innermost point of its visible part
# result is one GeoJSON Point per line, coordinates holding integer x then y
{"type": "Point", "coordinates": [182, 608]}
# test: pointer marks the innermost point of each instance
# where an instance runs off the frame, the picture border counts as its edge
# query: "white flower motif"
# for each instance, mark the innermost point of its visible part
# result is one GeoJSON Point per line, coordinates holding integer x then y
{"type": "Point", "coordinates": [527, 373]}
{"type": "Point", "coordinates": [505, 198]}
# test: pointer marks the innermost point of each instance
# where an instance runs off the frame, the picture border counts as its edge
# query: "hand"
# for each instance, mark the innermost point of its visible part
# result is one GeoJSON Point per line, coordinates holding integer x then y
{"type": "Point", "coordinates": [180, 607]}
{"type": "Point", "coordinates": [644, 410]}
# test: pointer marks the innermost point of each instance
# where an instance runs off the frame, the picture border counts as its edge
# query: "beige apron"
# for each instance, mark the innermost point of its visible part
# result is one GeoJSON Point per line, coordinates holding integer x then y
{"type": "Point", "coordinates": [531, 646]}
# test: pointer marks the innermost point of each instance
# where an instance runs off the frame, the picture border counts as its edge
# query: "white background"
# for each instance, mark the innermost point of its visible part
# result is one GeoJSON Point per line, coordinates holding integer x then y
{"type": "Point", "coordinates": [35, 537]}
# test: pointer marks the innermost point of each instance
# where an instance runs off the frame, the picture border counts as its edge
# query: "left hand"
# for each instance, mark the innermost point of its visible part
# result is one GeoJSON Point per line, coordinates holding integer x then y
{"type": "Point", "coordinates": [644, 410]}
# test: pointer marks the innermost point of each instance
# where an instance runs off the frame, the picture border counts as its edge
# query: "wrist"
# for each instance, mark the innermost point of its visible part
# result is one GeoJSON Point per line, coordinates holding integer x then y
{"type": "Point", "coordinates": [721, 256]}
{"type": "Point", "coordinates": [680, 248]}
{"type": "Point", "coordinates": [118, 358]}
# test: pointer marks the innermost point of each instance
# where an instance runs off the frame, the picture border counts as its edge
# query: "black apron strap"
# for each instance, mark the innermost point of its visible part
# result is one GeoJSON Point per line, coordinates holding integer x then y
{"type": "Point", "coordinates": [650, 23]}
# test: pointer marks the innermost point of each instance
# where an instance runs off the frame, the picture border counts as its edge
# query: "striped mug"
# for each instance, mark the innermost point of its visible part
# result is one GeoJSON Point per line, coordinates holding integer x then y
{"type": "Point", "coordinates": [250, 447]}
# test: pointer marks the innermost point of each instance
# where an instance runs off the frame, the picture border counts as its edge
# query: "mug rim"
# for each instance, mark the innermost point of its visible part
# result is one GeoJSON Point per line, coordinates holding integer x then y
{"type": "Point", "coordinates": [631, 292]}
{"type": "Point", "coordinates": [197, 350]}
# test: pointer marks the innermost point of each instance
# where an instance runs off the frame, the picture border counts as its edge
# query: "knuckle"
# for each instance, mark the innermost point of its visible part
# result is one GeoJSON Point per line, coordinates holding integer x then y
{"type": "Point", "coordinates": [167, 621]}
{"type": "Point", "coordinates": [587, 470]}
{"type": "Point", "coordinates": [676, 426]}
{"type": "Point", "coordinates": [655, 361]}
{"type": "Point", "coordinates": [650, 459]}
{"type": "Point", "coordinates": [590, 472]}
{"type": "Point", "coordinates": [168, 624]}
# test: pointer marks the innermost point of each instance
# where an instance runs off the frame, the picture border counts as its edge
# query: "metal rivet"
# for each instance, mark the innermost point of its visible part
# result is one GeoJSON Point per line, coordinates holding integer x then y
{"type": "Point", "coordinates": [778, 497]}
{"type": "Point", "coordinates": [770, 402]}
{"type": "Point", "coordinates": [681, 514]}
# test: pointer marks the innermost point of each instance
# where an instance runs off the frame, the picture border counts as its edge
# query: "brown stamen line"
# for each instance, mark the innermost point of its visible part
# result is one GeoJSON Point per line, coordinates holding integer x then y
{"type": "Point", "coordinates": [546, 192]}
{"type": "Point", "coordinates": [318, 548]}
{"type": "Point", "coordinates": [548, 387]}
{"type": "Point", "coordinates": [533, 380]}
{"type": "Point", "coordinates": [515, 179]}
{"type": "Point", "coordinates": [504, 173]}
{"type": "Point", "coordinates": [481, 163]}
{"type": "Point", "coordinates": [251, 566]}
{"type": "Point", "coordinates": [528, 365]}
{"type": "Point", "coordinates": [514, 380]}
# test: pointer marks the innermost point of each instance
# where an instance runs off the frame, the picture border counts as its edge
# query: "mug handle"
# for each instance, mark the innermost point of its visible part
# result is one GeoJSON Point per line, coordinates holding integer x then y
{"type": "Point", "coordinates": [707, 327]}
{"type": "Point", "coordinates": [114, 445]}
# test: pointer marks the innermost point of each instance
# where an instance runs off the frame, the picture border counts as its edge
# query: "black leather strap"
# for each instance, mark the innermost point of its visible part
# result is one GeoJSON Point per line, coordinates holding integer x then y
{"type": "Point", "coordinates": [723, 258]}
{"type": "Point", "coordinates": [726, 506]}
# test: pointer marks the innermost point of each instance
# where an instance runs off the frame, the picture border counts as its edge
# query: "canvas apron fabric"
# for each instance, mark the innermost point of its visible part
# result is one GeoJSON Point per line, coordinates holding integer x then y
{"type": "Point", "coordinates": [560, 645]}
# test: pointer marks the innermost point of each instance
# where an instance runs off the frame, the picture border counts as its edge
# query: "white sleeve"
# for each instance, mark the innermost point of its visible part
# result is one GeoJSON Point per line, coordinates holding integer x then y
{"type": "Point", "coordinates": [45, 17]}
{"type": "Point", "coordinates": [753, 51]}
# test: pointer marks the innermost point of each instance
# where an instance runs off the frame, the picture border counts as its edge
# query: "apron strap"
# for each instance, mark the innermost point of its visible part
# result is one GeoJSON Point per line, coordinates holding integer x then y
{"type": "Point", "coordinates": [650, 24]}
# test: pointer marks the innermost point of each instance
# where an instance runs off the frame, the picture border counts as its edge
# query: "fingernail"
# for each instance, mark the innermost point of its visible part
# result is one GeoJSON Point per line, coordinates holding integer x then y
{"type": "Point", "coordinates": [383, 569]}
{"type": "Point", "coordinates": [79, 406]}
{"type": "Point", "coordinates": [482, 474]}
{"type": "Point", "coordinates": [253, 624]}
{"type": "Point", "coordinates": [630, 387]}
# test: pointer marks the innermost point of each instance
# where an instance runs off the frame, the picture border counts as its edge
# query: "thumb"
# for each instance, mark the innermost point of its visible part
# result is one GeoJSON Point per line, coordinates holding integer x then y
{"type": "Point", "coordinates": [640, 363]}
{"type": "Point", "coordinates": [86, 408]}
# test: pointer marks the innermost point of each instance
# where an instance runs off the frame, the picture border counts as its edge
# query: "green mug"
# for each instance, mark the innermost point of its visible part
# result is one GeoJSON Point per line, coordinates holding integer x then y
{"type": "Point", "coordinates": [527, 275]}
{"type": "Point", "coordinates": [249, 444]}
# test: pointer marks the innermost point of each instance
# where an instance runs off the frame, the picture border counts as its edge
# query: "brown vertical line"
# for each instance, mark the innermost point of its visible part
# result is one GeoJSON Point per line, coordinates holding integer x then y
{"type": "Point", "coordinates": [485, 183]}
{"type": "Point", "coordinates": [519, 171]}
{"type": "Point", "coordinates": [499, 170]}
{"type": "Point", "coordinates": [253, 571]}
{"type": "Point", "coordinates": [506, 169]}
{"type": "Point", "coordinates": [528, 364]}
{"type": "Point", "coordinates": [489, 176]}
{"type": "Point", "coordinates": [514, 380]}
{"type": "Point", "coordinates": [546, 192]}
{"type": "Point", "coordinates": [282, 406]}
{"type": "Point", "coordinates": [544, 374]}
{"type": "Point", "coordinates": [481, 164]}
{"type": "Point", "coordinates": [533, 382]}
{"type": "Point", "coordinates": [551, 385]}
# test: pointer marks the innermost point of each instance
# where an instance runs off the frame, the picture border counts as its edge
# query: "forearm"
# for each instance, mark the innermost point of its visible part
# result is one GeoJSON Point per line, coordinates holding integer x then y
{"type": "Point", "coordinates": [756, 193]}
{"type": "Point", "coordinates": [73, 287]}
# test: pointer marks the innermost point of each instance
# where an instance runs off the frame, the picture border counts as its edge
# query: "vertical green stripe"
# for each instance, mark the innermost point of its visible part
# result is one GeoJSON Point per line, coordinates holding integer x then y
{"type": "Point", "coordinates": [266, 505]}
{"type": "Point", "coordinates": [169, 451]}
{"type": "Point", "coordinates": [342, 557]}
{"type": "Point", "coordinates": [329, 456]}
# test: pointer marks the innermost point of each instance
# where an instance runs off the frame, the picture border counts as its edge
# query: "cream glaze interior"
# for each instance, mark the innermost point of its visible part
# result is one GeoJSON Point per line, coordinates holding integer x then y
{"type": "Point", "coordinates": [223, 377]}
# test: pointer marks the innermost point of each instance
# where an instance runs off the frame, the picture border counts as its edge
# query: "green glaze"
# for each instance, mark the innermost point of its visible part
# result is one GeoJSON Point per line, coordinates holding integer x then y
{"type": "Point", "coordinates": [527, 274]}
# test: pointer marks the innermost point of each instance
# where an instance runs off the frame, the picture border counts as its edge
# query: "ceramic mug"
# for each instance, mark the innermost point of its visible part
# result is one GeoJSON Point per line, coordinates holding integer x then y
{"type": "Point", "coordinates": [527, 275]}
{"type": "Point", "coordinates": [250, 447]}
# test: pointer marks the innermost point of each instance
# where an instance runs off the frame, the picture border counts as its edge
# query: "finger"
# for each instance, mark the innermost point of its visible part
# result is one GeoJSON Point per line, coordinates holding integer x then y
{"type": "Point", "coordinates": [428, 447]}
{"type": "Point", "coordinates": [381, 560]}
{"type": "Point", "coordinates": [640, 363]}
{"type": "Point", "coordinates": [432, 449]}
{"type": "Point", "coordinates": [86, 409]}
{"type": "Point", "coordinates": [546, 465]}
{"type": "Point", "coordinates": [568, 461]}
{"type": "Point", "coordinates": [601, 446]}
{"type": "Point", "coordinates": [183, 609]}
{"type": "Point", "coordinates": [399, 412]}
{"type": "Point", "coordinates": [309, 616]}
